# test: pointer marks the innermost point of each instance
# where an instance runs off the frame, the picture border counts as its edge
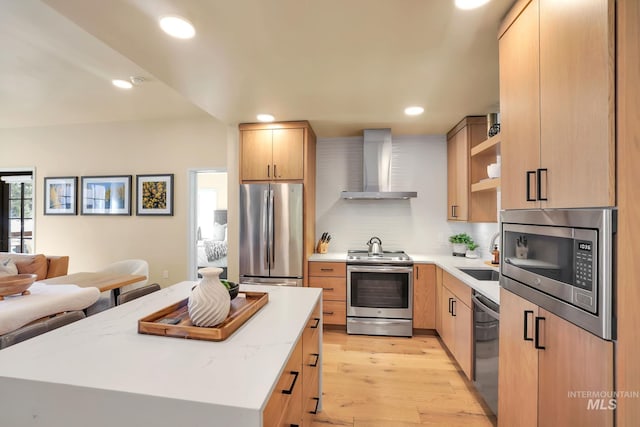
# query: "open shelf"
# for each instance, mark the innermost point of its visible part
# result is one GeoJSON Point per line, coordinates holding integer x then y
{"type": "Point", "coordinates": [486, 184]}
{"type": "Point", "coordinates": [489, 146]}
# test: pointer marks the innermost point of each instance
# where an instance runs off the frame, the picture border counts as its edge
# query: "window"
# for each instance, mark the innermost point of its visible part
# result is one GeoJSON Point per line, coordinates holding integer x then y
{"type": "Point", "coordinates": [16, 223]}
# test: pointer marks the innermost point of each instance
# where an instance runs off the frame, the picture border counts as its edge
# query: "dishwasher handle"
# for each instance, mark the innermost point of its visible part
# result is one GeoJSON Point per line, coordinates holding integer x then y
{"type": "Point", "coordinates": [477, 299]}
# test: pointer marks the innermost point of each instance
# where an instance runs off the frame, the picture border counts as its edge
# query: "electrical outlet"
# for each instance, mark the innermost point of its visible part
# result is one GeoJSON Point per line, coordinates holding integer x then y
{"type": "Point", "coordinates": [165, 274]}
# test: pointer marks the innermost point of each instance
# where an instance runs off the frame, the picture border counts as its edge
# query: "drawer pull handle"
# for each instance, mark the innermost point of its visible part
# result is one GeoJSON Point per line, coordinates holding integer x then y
{"type": "Point", "coordinates": [328, 313]}
{"type": "Point", "coordinates": [536, 342]}
{"type": "Point", "coordinates": [293, 384]}
{"type": "Point", "coordinates": [314, 364]}
{"type": "Point", "coordinates": [317, 319]}
{"type": "Point", "coordinates": [326, 269]}
{"type": "Point", "coordinates": [328, 289]}
{"type": "Point", "coordinates": [315, 411]}
{"type": "Point", "coordinates": [529, 197]}
{"type": "Point", "coordinates": [539, 183]}
{"type": "Point", "coordinates": [526, 324]}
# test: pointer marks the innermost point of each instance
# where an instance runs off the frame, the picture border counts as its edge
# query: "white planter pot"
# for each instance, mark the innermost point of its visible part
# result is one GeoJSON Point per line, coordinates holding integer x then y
{"type": "Point", "coordinates": [459, 249]}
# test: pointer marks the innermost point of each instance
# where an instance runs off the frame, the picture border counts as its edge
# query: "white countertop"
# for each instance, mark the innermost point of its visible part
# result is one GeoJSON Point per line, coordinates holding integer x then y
{"type": "Point", "coordinates": [100, 372]}
{"type": "Point", "coordinates": [491, 289]}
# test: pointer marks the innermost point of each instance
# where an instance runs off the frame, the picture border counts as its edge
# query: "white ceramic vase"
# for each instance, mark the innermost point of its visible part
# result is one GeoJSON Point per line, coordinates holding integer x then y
{"type": "Point", "coordinates": [209, 303]}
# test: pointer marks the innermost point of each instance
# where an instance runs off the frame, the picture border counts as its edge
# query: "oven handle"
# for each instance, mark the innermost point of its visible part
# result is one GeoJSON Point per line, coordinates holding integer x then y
{"type": "Point", "coordinates": [379, 269]}
{"type": "Point", "coordinates": [485, 308]}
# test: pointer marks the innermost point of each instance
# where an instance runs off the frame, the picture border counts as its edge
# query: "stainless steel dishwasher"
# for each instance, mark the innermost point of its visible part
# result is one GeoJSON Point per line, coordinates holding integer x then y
{"type": "Point", "coordinates": [486, 332]}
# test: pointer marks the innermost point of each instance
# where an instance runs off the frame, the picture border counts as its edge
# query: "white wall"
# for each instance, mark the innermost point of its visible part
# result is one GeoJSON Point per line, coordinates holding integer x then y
{"type": "Point", "coordinates": [417, 225]}
{"type": "Point", "coordinates": [122, 148]}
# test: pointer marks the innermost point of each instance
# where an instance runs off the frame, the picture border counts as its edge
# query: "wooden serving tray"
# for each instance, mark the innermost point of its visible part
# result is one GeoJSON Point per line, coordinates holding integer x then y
{"type": "Point", "coordinates": [241, 310]}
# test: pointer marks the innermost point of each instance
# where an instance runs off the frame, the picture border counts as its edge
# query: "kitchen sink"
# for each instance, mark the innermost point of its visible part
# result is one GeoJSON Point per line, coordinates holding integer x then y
{"type": "Point", "coordinates": [481, 273]}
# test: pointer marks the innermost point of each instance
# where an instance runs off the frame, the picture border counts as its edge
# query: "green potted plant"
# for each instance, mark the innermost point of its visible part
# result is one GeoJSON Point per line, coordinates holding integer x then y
{"type": "Point", "coordinates": [460, 242]}
{"type": "Point", "coordinates": [471, 247]}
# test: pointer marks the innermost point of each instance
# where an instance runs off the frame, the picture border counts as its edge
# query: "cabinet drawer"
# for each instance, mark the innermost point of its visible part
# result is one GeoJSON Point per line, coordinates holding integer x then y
{"type": "Point", "coordinates": [311, 395]}
{"type": "Point", "coordinates": [459, 289]}
{"type": "Point", "coordinates": [283, 405]}
{"type": "Point", "coordinates": [334, 312]}
{"type": "Point", "coordinates": [333, 288]}
{"type": "Point", "coordinates": [336, 269]}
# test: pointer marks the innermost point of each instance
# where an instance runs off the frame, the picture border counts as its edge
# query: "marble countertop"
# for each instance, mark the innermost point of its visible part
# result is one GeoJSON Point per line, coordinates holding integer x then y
{"type": "Point", "coordinates": [450, 264]}
{"type": "Point", "coordinates": [103, 372]}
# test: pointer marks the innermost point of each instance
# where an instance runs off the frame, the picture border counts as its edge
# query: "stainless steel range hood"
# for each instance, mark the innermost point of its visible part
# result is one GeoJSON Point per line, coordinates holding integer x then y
{"type": "Point", "coordinates": [376, 169]}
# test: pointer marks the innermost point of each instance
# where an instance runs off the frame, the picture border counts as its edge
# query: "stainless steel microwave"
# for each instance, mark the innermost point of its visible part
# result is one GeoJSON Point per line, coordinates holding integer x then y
{"type": "Point", "coordinates": [562, 260]}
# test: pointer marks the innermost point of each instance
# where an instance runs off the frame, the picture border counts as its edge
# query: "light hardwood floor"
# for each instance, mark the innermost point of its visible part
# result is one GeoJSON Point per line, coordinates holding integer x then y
{"type": "Point", "coordinates": [395, 382]}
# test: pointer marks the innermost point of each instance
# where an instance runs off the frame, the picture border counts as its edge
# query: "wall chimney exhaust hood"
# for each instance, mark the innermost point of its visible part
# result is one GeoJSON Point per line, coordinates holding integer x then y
{"type": "Point", "coordinates": [376, 169]}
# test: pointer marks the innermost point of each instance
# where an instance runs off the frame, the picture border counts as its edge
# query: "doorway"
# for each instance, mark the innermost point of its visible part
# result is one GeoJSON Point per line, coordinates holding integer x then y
{"type": "Point", "coordinates": [16, 211]}
{"type": "Point", "coordinates": [208, 241]}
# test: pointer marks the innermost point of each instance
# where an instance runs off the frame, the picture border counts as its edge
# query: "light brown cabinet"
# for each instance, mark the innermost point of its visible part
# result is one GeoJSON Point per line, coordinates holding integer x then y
{"type": "Point", "coordinates": [557, 104]}
{"type": "Point", "coordinates": [332, 278]}
{"type": "Point", "coordinates": [272, 154]}
{"type": "Point", "coordinates": [456, 323]}
{"type": "Point", "coordinates": [311, 363]}
{"type": "Point", "coordinates": [424, 296]}
{"type": "Point", "coordinates": [463, 202]}
{"type": "Point", "coordinates": [545, 362]}
{"type": "Point", "coordinates": [284, 407]}
{"type": "Point", "coordinates": [283, 151]}
{"type": "Point", "coordinates": [296, 397]}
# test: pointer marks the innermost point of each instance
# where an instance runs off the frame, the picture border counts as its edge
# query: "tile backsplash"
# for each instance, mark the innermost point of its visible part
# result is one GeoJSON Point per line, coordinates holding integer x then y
{"type": "Point", "coordinates": [419, 225]}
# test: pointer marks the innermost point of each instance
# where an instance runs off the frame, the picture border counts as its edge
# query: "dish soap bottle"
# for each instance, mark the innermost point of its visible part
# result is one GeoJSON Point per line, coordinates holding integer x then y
{"type": "Point", "coordinates": [496, 255]}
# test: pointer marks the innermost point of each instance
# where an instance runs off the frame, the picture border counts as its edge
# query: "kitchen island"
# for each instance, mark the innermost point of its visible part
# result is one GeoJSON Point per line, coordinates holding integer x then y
{"type": "Point", "coordinates": [101, 372]}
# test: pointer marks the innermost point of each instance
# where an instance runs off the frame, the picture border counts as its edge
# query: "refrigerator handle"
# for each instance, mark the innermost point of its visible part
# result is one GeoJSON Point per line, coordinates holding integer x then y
{"type": "Point", "coordinates": [265, 236]}
{"type": "Point", "coordinates": [271, 231]}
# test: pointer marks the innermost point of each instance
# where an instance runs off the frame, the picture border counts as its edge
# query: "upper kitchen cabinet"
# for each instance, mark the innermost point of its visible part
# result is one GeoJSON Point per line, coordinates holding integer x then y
{"type": "Point", "coordinates": [275, 151]}
{"type": "Point", "coordinates": [463, 202]}
{"type": "Point", "coordinates": [557, 104]}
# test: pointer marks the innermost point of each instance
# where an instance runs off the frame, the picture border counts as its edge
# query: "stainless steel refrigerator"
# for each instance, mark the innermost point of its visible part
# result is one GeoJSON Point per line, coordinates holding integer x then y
{"type": "Point", "coordinates": [271, 249]}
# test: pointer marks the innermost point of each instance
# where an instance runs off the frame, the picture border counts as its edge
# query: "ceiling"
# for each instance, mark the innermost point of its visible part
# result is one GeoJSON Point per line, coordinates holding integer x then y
{"type": "Point", "coordinates": [344, 65]}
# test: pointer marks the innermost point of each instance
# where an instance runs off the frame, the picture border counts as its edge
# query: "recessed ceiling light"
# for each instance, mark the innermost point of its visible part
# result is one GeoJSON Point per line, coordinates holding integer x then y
{"type": "Point", "coordinates": [265, 117]}
{"type": "Point", "coordinates": [177, 27]}
{"type": "Point", "coordinates": [413, 111]}
{"type": "Point", "coordinates": [470, 4]}
{"type": "Point", "coordinates": [122, 84]}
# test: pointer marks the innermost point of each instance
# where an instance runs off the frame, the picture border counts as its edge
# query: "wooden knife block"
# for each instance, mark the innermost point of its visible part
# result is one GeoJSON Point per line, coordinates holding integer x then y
{"type": "Point", "coordinates": [322, 247]}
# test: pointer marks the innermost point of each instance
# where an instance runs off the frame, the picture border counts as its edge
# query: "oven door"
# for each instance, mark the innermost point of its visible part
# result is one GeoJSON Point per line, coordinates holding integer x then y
{"type": "Point", "coordinates": [559, 261]}
{"type": "Point", "coordinates": [380, 291]}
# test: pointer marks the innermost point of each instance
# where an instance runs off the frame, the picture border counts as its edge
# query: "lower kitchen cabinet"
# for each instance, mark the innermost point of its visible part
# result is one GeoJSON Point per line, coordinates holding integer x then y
{"type": "Point", "coordinates": [311, 363]}
{"type": "Point", "coordinates": [424, 296]}
{"type": "Point", "coordinates": [456, 323]}
{"type": "Point", "coordinates": [285, 404]}
{"type": "Point", "coordinates": [296, 397]}
{"type": "Point", "coordinates": [546, 366]}
{"type": "Point", "coordinates": [332, 278]}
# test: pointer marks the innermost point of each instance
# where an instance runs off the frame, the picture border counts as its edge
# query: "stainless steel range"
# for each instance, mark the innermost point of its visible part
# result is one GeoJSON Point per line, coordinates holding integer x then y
{"type": "Point", "coordinates": [379, 293]}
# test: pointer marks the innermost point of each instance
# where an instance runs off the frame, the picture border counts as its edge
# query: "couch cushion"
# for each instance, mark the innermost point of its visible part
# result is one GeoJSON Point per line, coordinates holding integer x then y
{"type": "Point", "coordinates": [7, 267]}
{"type": "Point", "coordinates": [32, 264]}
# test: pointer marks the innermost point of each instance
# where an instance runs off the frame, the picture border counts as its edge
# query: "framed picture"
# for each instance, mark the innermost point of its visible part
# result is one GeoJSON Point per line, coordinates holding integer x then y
{"type": "Point", "coordinates": [154, 194]}
{"type": "Point", "coordinates": [106, 195]}
{"type": "Point", "coordinates": [60, 194]}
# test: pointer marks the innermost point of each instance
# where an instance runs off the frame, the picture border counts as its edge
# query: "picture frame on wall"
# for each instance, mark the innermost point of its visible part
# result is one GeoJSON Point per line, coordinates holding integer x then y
{"type": "Point", "coordinates": [60, 195]}
{"type": "Point", "coordinates": [154, 194]}
{"type": "Point", "coordinates": [106, 195]}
